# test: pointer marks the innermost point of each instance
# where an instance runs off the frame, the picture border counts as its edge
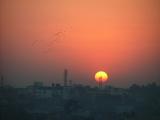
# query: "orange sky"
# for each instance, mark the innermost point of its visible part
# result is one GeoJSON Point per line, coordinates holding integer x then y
{"type": "Point", "coordinates": [41, 38]}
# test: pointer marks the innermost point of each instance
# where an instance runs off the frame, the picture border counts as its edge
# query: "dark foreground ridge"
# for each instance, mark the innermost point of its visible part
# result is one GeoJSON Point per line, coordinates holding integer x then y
{"type": "Point", "coordinates": [78, 102]}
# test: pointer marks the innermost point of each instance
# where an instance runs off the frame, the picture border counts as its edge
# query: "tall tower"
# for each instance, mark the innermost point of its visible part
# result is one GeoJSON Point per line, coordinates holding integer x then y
{"type": "Point", "coordinates": [2, 81]}
{"type": "Point", "coordinates": [100, 82]}
{"type": "Point", "coordinates": [65, 77]}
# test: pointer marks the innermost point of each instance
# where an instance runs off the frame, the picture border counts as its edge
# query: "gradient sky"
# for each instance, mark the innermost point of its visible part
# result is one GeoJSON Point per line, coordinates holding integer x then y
{"type": "Point", "coordinates": [39, 39]}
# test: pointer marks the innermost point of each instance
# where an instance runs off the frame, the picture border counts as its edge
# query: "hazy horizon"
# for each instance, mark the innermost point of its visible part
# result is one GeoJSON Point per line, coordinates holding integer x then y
{"type": "Point", "coordinates": [39, 40]}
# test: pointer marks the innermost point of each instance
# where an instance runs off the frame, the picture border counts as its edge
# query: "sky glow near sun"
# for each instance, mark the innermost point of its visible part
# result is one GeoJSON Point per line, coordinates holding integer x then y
{"type": "Point", "coordinates": [41, 38]}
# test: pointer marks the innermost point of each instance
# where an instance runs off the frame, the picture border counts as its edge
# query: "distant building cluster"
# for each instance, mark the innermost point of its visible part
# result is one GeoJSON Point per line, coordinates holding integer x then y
{"type": "Point", "coordinates": [79, 102]}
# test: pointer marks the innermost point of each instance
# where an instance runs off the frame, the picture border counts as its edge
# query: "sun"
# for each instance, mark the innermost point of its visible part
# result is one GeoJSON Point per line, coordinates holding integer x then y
{"type": "Point", "coordinates": [101, 76]}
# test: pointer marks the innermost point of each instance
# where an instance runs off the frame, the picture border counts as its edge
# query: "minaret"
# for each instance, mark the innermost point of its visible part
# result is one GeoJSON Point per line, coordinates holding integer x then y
{"type": "Point", "coordinates": [65, 78]}
{"type": "Point", "coordinates": [66, 89]}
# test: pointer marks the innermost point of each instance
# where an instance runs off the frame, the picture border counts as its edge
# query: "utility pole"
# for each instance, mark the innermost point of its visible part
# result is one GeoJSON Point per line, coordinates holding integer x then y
{"type": "Point", "coordinates": [65, 78]}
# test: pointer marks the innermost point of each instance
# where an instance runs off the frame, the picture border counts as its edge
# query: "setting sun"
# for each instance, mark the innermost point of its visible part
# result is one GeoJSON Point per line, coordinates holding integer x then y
{"type": "Point", "coordinates": [101, 76]}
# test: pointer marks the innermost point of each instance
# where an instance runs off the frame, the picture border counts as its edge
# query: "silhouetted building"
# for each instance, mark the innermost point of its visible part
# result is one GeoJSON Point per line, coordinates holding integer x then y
{"type": "Point", "coordinates": [38, 84]}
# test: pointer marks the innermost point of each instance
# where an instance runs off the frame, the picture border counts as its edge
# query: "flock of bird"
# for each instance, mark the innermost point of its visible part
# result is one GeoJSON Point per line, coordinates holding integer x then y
{"type": "Point", "coordinates": [50, 41]}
